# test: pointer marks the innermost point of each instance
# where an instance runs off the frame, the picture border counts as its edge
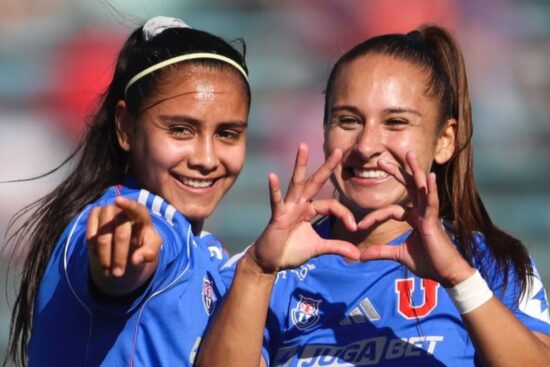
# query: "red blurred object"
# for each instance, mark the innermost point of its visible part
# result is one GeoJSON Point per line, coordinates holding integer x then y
{"type": "Point", "coordinates": [399, 16]}
{"type": "Point", "coordinates": [83, 67]}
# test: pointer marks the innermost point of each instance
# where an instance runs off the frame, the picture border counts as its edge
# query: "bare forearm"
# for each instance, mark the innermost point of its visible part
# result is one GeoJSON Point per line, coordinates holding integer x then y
{"type": "Point", "coordinates": [236, 334]}
{"type": "Point", "coordinates": [502, 340]}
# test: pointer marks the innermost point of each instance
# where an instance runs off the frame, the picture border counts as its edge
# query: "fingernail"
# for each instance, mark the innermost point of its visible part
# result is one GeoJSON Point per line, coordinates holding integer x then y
{"type": "Point", "coordinates": [117, 272]}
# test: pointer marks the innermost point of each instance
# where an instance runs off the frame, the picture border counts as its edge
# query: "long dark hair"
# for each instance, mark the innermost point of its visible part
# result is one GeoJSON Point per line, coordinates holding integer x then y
{"type": "Point", "coordinates": [434, 50]}
{"type": "Point", "coordinates": [101, 162]}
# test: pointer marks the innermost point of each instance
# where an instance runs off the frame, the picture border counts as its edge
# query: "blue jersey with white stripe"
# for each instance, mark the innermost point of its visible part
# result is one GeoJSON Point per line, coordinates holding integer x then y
{"type": "Point", "coordinates": [332, 313]}
{"type": "Point", "coordinates": [160, 325]}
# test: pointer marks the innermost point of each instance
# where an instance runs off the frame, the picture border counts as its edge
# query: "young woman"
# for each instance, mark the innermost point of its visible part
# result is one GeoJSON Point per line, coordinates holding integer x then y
{"type": "Point", "coordinates": [448, 288]}
{"type": "Point", "coordinates": [119, 271]}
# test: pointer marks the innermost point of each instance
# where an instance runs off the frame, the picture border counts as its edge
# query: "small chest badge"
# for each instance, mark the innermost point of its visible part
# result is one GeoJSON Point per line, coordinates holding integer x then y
{"type": "Point", "coordinates": [208, 296]}
{"type": "Point", "coordinates": [306, 313]}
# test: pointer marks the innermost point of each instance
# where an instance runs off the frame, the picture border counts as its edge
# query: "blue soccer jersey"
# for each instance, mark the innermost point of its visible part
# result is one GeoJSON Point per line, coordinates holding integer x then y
{"type": "Point", "coordinates": [161, 325]}
{"type": "Point", "coordinates": [332, 313]}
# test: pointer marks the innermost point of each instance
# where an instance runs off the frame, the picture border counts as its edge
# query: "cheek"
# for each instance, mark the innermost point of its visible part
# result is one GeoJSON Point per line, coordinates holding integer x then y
{"type": "Point", "coordinates": [164, 155]}
{"type": "Point", "coordinates": [339, 139]}
{"type": "Point", "coordinates": [234, 159]}
{"type": "Point", "coordinates": [422, 149]}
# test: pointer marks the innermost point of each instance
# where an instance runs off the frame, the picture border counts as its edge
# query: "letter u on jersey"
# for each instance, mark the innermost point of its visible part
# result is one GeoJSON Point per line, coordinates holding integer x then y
{"type": "Point", "coordinates": [405, 300]}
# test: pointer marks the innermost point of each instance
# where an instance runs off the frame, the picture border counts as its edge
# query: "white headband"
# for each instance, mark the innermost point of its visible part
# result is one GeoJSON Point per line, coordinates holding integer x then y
{"type": "Point", "coordinates": [156, 26]}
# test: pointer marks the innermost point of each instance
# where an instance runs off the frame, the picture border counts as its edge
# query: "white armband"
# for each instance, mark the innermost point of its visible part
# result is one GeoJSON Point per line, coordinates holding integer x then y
{"type": "Point", "coordinates": [470, 293]}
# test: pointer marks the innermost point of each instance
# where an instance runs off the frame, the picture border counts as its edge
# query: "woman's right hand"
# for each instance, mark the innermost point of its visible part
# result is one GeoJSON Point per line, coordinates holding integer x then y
{"type": "Point", "coordinates": [289, 239]}
{"type": "Point", "coordinates": [123, 246]}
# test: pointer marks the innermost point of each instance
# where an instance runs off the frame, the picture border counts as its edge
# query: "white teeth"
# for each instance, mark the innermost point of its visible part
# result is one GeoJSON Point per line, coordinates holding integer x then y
{"type": "Point", "coordinates": [196, 183]}
{"type": "Point", "coordinates": [363, 173]}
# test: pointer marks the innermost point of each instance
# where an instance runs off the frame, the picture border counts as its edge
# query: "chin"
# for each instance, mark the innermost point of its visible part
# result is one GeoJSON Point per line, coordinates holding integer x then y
{"type": "Point", "coordinates": [372, 203]}
{"type": "Point", "coordinates": [194, 216]}
{"type": "Point", "coordinates": [197, 215]}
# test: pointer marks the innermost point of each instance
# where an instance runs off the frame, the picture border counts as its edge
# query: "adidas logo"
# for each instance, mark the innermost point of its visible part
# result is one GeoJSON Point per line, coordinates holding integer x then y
{"type": "Point", "coordinates": [360, 314]}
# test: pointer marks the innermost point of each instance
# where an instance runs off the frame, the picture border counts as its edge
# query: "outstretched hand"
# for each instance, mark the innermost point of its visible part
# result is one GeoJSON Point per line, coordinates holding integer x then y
{"type": "Point", "coordinates": [122, 241]}
{"type": "Point", "coordinates": [289, 239]}
{"type": "Point", "coordinates": [428, 251]}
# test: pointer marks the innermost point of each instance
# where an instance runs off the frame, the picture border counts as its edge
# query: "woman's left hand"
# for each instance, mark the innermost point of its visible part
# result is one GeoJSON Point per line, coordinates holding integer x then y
{"type": "Point", "coordinates": [428, 251]}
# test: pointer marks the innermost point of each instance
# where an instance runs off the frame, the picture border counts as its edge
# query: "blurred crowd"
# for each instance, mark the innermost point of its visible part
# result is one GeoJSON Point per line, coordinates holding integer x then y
{"type": "Point", "coordinates": [56, 57]}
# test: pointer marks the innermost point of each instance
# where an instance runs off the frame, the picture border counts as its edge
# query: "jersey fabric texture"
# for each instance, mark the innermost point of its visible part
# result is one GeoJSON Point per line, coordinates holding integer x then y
{"type": "Point", "coordinates": [332, 313]}
{"type": "Point", "coordinates": [160, 325]}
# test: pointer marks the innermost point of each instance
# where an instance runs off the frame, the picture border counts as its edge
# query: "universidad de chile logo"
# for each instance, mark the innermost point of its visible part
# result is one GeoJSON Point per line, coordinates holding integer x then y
{"type": "Point", "coordinates": [306, 313]}
{"type": "Point", "coordinates": [208, 296]}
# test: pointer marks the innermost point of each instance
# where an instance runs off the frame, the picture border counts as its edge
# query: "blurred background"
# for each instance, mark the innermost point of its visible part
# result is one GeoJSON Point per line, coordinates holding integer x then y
{"type": "Point", "coordinates": [57, 55]}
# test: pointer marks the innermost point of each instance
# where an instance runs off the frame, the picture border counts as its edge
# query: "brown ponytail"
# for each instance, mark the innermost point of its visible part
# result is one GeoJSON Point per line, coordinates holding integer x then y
{"type": "Point", "coordinates": [468, 211]}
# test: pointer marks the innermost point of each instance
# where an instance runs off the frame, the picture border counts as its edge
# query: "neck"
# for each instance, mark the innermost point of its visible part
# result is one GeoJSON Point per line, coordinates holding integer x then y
{"type": "Point", "coordinates": [377, 235]}
{"type": "Point", "coordinates": [196, 226]}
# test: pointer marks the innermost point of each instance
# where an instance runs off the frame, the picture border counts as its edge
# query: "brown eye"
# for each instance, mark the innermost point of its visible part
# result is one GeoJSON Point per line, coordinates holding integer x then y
{"type": "Point", "coordinates": [229, 135]}
{"type": "Point", "coordinates": [180, 131]}
{"type": "Point", "coordinates": [396, 122]}
{"type": "Point", "coordinates": [348, 122]}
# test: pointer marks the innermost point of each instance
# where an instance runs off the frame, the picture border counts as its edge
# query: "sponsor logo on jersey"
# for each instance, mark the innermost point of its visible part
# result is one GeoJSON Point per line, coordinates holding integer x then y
{"type": "Point", "coordinates": [419, 305]}
{"type": "Point", "coordinates": [366, 352]}
{"type": "Point", "coordinates": [306, 313]}
{"type": "Point", "coordinates": [208, 296]}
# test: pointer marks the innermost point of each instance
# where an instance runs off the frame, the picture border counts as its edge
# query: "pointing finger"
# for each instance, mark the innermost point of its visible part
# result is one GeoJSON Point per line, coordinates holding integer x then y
{"type": "Point", "coordinates": [121, 245]}
{"type": "Point", "coordinates": [136, 212]}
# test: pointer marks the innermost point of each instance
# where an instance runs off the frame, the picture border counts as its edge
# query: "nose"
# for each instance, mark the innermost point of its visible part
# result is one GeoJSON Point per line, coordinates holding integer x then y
{"type": "Point", "coordinates": [204, 157]}
{"type": "Point", "coordinates": [369, 142]}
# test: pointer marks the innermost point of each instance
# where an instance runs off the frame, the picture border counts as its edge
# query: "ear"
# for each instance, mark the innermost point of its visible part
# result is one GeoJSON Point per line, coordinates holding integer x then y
{"type": "Point", "coordinates": [123, 123]}
{"type": "Point", "coordinates": [445, 145]}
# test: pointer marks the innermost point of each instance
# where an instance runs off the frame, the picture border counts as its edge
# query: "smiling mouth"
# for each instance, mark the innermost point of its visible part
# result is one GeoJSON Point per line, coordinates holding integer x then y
{"type": "Point", "coordinates": [195, 183]}
{"type": "Point", "coordinates": [369, 173]}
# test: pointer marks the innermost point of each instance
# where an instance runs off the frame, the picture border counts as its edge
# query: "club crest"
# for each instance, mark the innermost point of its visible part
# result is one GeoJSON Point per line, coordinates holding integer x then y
{"type": "Point", "coordinates": [208, 296]}
{"type": "Point", "coordinates": [306, 313]}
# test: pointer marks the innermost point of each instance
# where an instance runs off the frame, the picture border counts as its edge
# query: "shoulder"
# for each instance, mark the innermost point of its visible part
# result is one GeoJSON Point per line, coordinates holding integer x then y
{"type": "Point", "coordinates": [215, 247]}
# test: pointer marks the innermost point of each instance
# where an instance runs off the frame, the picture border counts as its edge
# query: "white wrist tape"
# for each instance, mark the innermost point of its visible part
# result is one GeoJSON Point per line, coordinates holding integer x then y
{"type": "Point", "coordinates": [470, 293]}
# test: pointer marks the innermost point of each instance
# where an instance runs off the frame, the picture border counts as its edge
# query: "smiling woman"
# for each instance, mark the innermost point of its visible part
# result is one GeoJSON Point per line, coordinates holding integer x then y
{"type": "Point", "coordinates": [189, 143]}
{"type": "Point", "coordinates": [119, 271]}
{"type": "Point", "coordinates": [379, 111]}
{"type": "Point", "coordinates": [437, 284]}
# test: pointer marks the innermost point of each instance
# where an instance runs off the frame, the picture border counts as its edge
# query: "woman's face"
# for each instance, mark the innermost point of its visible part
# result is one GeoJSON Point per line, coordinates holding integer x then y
{"type": "Point", "coordinates": [379, 110]}
{"type": "Point", "coordinates": [188, 144]}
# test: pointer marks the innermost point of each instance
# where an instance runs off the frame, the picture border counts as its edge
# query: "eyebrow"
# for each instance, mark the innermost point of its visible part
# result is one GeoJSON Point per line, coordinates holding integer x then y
{"type": "Point", "coordinates": [386, 111]}
{"type": "Point", "coordinates": [194, 121]}
{"type": "Point", "coordinates": [348, 108]}
{"type": "Point", "coordinates": [401, 110]}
